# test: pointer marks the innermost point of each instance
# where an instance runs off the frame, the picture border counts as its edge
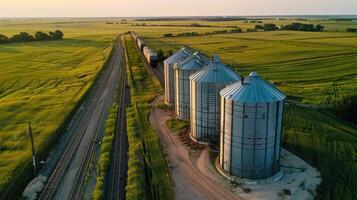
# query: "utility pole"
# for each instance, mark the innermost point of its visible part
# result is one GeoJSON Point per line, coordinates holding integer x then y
{"type": "Point", "coordinates": [33, 151]}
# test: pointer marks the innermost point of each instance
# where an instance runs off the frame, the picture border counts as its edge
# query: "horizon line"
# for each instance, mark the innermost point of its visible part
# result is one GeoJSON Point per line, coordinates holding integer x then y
{"type": "Point", "coordinates": [187, 16]}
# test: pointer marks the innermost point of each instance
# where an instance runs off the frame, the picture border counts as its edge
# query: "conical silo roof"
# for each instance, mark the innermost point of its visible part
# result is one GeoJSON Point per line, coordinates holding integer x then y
{"type": "Point", "coordinates": [194, 62]}
{"type": "Point", "coordinates": [253, 89]}
{"type": "Point", "coordinates": [215, 72]}
{"type": "Point", "coordinates": [179, 56]}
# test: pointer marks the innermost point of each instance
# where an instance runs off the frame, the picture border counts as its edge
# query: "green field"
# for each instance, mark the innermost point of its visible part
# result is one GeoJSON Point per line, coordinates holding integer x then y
{"type": "Point", "coordinates": [328, 143]}
{"type": "Point", "coordinates": [41, 82]}
{"type": "Point", "coordinates": [304, 65]}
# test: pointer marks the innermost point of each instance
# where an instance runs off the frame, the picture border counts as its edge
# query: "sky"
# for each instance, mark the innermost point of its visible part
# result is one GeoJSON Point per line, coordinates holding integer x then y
{"type": "Point", "coordinates": [134, 8]}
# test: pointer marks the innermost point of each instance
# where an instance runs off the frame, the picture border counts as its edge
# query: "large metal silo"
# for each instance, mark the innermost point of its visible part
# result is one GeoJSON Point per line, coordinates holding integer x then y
{"type": "Point", "coordinates": [183, 71]}
{"type": "Point", "coordinates": [169, 77]}
{"type": "Point", "coordinates": [205, 100]}
{"type": "Point", "coordinates": [251, 128]}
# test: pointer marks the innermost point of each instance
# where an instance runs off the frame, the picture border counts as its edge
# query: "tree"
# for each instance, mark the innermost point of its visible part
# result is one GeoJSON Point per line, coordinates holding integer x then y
{"type": "Point", "coordinates": [160, 55]}
{"type": "Point", "coordinates": [346, 107]}
{"type": "Point", "coordinates": [22, 37]}
{"type": "Point", "coordinates": [258, 26]}
{"type": "Point", "coordinates": [351, 29]}
{"type": "Point", "coordinates": [3, 39]}
{"type": "Point", "coordinates": [41, 36]}
{"type": "Point", "coordinates": [319, 27]}
{"type": "Point", "coordinates": [58, 35]}
{"type": "Point", "coordinates": [236, 30]}
{"type": "Point", "coordinates": [269, 27]}
{"type": "Point", "coordinates": [170, 52]}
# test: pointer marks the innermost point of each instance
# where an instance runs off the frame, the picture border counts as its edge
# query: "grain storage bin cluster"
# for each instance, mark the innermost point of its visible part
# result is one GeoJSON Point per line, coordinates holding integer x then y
{"type": "Point", "coordinates": [169, 73]}
{"type": "Point", "coordinates": [205, 100]}
{"type": "Point", "coordinates": [251, 128]}
{"type": "Point", "coordinates": [183, 71]}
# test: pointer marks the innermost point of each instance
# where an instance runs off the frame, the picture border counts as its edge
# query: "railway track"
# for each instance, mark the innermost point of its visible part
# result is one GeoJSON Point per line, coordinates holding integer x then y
{"type": "Point", "coordinates": [153, 71]}
{"type": "Point", "coordinates": [116, 180]}
{"type": "Point", "coordinates": [79, 129]}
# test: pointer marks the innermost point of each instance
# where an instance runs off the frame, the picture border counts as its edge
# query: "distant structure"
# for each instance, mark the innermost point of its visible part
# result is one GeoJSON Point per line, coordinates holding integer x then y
{"type": "Point", "coordinates": [251, 128]}
{"type": "Point", "coordinates": [183, 71]}
{"type": "Point", "coordinates": [140, 43]}
{"type": "Point", "coordinates": [205, 86]}
{"type": "Point", "coordinates": [169, 73]}
{"type": "Point", "coordinates": [150, 56]}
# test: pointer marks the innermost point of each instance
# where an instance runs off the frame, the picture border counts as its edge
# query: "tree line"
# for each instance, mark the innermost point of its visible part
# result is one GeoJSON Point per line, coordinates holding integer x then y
{"type": "Point", "coordinates": [187, 34]}
{"type": "Point", "coordinates": [351, 29]}
{"type": "Point", "coordinates": [293, 26]}
{"type": "Point", "coordinates": [26, 37]}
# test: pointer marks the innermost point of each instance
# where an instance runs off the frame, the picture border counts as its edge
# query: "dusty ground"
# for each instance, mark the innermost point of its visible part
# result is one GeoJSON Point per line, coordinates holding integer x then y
{"type": "Point", "coordinates": [195, 176]}
{"type": "Point", "coordinates": [189, 181]}
{"type": "Point", "coordinates": [295, 176]}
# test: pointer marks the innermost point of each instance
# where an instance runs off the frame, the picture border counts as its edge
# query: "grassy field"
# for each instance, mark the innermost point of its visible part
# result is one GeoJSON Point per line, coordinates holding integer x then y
{"type": "Point", "coordinates": [41, 82]}
{"type": "Point", "coordinates": [304, 65]}
{"type": "Point", "coordinates": [327, 143]}
{"type": "Point", "coordinates": [148, 176]}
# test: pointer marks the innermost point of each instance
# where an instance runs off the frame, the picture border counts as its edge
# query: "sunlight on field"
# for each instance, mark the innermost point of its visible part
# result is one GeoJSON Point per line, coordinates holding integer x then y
{"type": "Point", "coordinates": [304, 65]}
{"type": "Point", "coordinates": [40, 82]}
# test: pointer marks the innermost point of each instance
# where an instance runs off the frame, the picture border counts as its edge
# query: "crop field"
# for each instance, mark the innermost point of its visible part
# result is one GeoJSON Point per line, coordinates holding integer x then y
{"type": "Point", "coordinates": [327, 143]}
{"type": "Point", "coordinates": [41, 82]}
{"type": "Point", "coordinates": [307, 66]}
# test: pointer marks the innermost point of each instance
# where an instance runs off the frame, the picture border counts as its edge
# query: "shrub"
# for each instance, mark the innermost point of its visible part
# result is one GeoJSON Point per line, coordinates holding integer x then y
{"type": "Point", "coordinates": [346, 107]}
{"type": "Point", "coordinates": [270, 27]}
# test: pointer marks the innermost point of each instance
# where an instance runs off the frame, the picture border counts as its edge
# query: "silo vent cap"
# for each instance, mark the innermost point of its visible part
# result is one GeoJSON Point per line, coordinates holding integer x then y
{"type": "Point", "coordinates": [216, 58]}
{"type": "Point", "coordinates": [253, 74]}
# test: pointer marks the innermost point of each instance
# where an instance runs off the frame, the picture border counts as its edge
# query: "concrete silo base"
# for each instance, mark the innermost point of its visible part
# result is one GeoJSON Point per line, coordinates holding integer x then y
{"type": "Point", "coordinates": [277, 176]}
{"type": "Point", "coordinates": [198, 141]}
{"type": "Point", "coordinates": [295, 177]}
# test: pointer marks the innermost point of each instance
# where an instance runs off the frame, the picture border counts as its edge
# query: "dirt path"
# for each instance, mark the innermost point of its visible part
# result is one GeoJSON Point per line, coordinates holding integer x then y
{"type": "Point", "coordinates": [189, 181]}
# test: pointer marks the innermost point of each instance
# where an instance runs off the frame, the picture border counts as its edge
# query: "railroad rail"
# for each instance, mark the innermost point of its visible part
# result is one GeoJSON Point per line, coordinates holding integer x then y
{"type": "Point", "coordinates": [56, 177]}
{"type": "Point", "coordinates": [153, 71]}
{"type": "Point", "coordinates": [116, 178]}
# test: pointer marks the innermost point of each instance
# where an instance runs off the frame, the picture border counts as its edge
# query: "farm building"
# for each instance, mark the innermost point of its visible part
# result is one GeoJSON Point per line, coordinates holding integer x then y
{"type": "Point", "coordinates": [169, 73]}
{"type": "Point", "coordinates": [205, 86]}
{"type": "Point", "coordinates": [183, 71]}
{"type": "Point", "coordinates": [251, 128]}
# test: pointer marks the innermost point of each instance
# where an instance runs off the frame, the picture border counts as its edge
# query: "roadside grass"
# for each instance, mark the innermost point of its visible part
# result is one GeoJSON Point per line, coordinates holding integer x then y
{"type": "Point", "coordinates": [42, 83]}
{"type": "Point", "coordinates": [105, 149]}
{"type": "Point", "coordinates": [175, 125]}
{"type": "Point", "coordinates": [148, 175]}
{"type": "Point", "coordinates": [163, 106]}
{"type": "Point", "coordinates": [328, 144]}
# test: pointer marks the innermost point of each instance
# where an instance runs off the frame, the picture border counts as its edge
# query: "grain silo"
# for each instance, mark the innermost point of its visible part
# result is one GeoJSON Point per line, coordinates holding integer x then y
{"type": "Point", "coordinates": [169, 73]}
{"type": "Point", "coordinates": [183, 71]}
{"type": "Point", "coordinates": [251, 127]}
{"type": "Point", "coordinates": [205, 101]}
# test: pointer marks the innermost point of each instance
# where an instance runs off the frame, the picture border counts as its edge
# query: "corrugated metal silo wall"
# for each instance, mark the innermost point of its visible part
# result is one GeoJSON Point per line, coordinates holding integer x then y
{"type": "Point", "coordinates": [205, 111]}
{"type": "Point", "coordinates": [169, 83]}
{"type": "Point", "coordinates": [182, 90]}
{"type": "Point", "coordinates": [250, 139]}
